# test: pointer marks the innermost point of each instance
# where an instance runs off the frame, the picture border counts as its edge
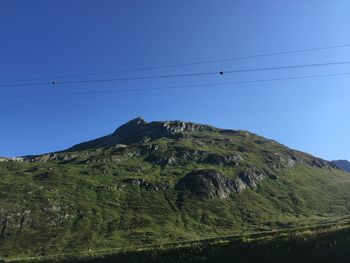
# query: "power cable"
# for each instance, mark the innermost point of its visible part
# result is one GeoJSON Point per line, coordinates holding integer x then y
{"type": "Point", "coordinates": [177, 87]}
{"type": "Point", "coordinates": [187, 64]}
{"type": "Point", "coordinates": [178, 75]}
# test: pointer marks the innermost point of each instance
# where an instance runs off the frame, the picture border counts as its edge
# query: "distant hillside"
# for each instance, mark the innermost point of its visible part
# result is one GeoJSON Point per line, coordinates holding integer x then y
{"type": "Point", "coordinates": [163, 181]}
{"type": "Point", "coordinates": [343, 164]}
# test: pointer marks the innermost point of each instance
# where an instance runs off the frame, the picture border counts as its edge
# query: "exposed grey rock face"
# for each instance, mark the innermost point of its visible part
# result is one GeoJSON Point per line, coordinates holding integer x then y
{"type": "Point", "coordinates": [179, 126]}
{"type": "Point", "coordinates": [162, 160]}
{"type": "Point", "coordinates": [282, 161]}
{"type": "Point", "coordinates": [290, 158]}
{"type": "Point", "coordinates": [13, 220]}
{"type": "Point", "coordinates": [343, 164]}
{"type": "Point", "coordinates": [250, 179]}
{"type": "Point", "coordinates": [146, 185]}
{"type": "Point", "coordinates": [180, 155]}
{"type": "Point", "coordinates": [50, 157]}
{"type": "Point", "coordinates": [316, 162]}
{"type": "Point", "coordinates": [16, 159]}
{"type": "Point", "coordinates": [208, 184]}
{"type": "Point", "coordinates": [219, 159]}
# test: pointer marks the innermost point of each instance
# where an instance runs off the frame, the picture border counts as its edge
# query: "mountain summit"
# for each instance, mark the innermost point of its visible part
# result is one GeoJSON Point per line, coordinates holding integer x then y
{"type": "Point", "coordinates": [138, 130]}
{"type": "Point", "coordinates": [162, 181]}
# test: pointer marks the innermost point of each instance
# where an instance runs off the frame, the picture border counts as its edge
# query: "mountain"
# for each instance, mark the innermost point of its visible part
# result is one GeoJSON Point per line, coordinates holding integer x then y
{"type": "Point", "coordinates": [343, 164]}
{"type": "Point", "coordinates": [157, 182]}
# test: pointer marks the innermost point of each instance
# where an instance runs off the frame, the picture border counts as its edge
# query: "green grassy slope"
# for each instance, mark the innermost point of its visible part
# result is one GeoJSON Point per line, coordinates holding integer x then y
{"type": "Point", "coordinates": [322, 243]}
{"type": "Point", "coordinates": [124, 194]}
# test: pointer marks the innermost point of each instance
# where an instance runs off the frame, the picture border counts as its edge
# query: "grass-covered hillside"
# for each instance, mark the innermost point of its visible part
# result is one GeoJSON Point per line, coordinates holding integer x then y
{"type": "Point", "coordinates": [159, 182]}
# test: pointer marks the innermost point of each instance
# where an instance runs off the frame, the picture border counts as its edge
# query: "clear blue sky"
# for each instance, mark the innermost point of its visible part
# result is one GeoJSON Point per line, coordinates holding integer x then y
{"type": "Point", "coordinates": [45, 38]}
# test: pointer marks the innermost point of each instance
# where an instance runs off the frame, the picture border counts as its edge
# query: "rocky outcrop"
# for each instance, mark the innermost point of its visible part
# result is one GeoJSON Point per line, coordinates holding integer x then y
{"type": "Point", "coordinates": [51, 157]}
{"type": "Point", "coordinates": [220, 159]}
{"type": "Point", "coordinates": [277, 160]}
{"type": "Point", "coordinates": [162, 160]}
{"type": "Point", "coordinates": [142, 183]}
{"type": "Point", "coordinates": [180, 126]}
{"type": "Point", "coordinates": [248, 179]}
{"type": "Point", "coordinates": [289, 158]}
{"type": "Point", "coordinates": [180, 155]}
{"type": "Point", "coordinates": [208, 184]}
{"type": "Point", "coordinates": [16, 159]}
{"type": "Point", "coordinates": [171, 156]}
{"type": "Point", "coordinates": [319, 163]}
{"type": "Point", "coordinates": [13, 220]}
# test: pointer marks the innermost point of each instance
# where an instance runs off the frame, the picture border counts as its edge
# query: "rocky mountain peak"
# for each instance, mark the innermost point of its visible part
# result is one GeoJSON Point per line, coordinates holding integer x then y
{"type": "Point", "coordinates": [180, 126]}
{"type": "Point", "coordinates": [131, 125]}
{"type": "Point", "coordinates": [138, 130]}
{"type": "Point", "coordinates": [131, 128]}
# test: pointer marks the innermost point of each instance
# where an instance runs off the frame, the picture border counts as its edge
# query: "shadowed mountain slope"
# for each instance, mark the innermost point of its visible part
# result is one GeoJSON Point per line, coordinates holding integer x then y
{"type": "Point", "coordinates": [343, 164]}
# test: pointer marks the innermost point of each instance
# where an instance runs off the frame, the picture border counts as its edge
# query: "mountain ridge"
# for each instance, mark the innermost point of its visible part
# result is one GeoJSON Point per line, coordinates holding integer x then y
{"type": "Point", "coordinates": [134, 130]}
{"type": "Point", "coordinates": [140, 131]}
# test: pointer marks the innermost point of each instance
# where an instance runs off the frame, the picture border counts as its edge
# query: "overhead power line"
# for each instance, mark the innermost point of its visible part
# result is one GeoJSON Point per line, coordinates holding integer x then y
{"type": "Point", "coordinates": [289, 67]}
{"type": "Point", "coordinates": [176, 75]}
{"type": "Point", "coordinates": [295, 51]}
{"type": "Point", "coordinates": [177, 87]}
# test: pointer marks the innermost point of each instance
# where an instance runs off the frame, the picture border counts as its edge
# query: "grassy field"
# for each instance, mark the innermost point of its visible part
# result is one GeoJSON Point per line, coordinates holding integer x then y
{"type": "Point", "coordinates": [322, 243]}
